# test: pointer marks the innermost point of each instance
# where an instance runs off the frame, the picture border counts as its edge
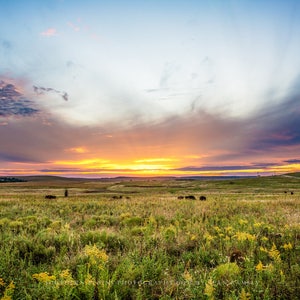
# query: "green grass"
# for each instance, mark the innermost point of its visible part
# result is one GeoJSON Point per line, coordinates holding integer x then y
{"type": "Point", "coordinates": [242, 243]}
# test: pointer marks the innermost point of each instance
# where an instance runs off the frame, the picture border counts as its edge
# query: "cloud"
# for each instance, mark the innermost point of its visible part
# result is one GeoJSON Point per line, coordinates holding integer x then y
{"type": "Point", "coordinates": [196, 141]}
{"type": "Point", "coordinates": [61, 170]}
{"type": "Point", "coordinates": [292, 161]}
{"type": "Point", "coordinates": [17, 157]}
{"type": "Point", "coordinates": [13, 102]}
{"type": "Point", "coordinates": [251, 166]}
{"type": "Point", "coordinates": [214, 168]}
{"type": "Point", "coordinates": [43, 90]}
{"type": "Point", "coordinates": [277, 125]}
{"type": "Point", "coordinates": [49, 32]}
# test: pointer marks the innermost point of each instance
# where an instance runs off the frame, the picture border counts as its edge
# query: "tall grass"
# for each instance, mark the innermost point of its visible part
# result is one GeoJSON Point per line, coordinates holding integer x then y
{"type": "Point", "coordinates": [242, 243]}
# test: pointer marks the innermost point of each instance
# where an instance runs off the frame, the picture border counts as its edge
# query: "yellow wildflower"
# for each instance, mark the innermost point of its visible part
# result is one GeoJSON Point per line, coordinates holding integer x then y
{"type": "Point", "coordinates": [43, 277]}
{"type": "Point", "coordinates": [65, 274]}
{"type": "Point", "coordinates": [209, 289]}
{"type": "Point", "coordinates": [67, 278]}
{"type": "Point", "coordinates": [263, 249]}
{"type": "Point", "coordinates": [244, 295]}
{"type": "Point", "coordinates": [274, 253]}
{"type": "Point", "coordinates": [208, 237]}
{"type": "Point", "coordinates": [228, 229]}
{"type": "Point", "coordinates": [217, 228]}
{"type": "Point", "coordinates": [264, 239]}
{"type": "Point", "coordinates": [287, 246]}
{"type": "Point", "coordinates": [2, 283]}
{"type": "Point", "coordinates": [89, 280]}
{"type": "Point", "coordinates": [11, 286]}
{"type": "Point", "coordinates": [67, 226]}
{"type": "Point", "coordinates": [242, 222]}
{"type": "Point", "coordinates": [187, 276]}
{"type": "Point", "coordinates": [193, 237]}
{"type": "Point", "coordinates": [9, 290]}
{"type": "Point", "coordinates": [259, 267]}
{"type": "Point", "coordinates": [125, 215]}
{"type": "Point", "coordinates": [243, 236]}
{"type": "Point", "coordinates": [95, 255]}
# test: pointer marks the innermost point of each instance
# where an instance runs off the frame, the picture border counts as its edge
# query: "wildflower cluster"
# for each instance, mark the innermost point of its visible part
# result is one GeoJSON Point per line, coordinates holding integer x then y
{"type": "Point", "coordinates": [44, 277]}
{"type": "Point", "coordinates": [66, 278]}
{"type": "Point", "coordinates": [287, 246]}
{"type": "Point", "coordinates": [9, 290]}
{"type": "Point", "coordinates": [260, 267]}
{"type": "Point", "coordinates": [2, 283]}
{"type": "Point", "coordinates": [243, 236]}
{"type": "Point", "coordinates": [95, 255]}
{"type": "Point", "coordinates": [274, 253]}
{"type": "Point", "coordinates": [209, 289]}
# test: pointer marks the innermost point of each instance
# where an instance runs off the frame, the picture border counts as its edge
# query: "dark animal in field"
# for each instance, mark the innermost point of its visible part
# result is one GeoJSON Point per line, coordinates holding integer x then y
{"type": "Point", "coordinates": [292, 193]}
{"type": "Point", "coordinates": [180, 197]}
{"type": "Point", "coordinates": [202, 198]}
{"type": "Point", "coordinates": [66, 193]}
{"type": "Point", "coordinates": [285, 192]}
{"type": "Point", "coordinates": [50, 197]}
{"type": "Point", "coordinates": [117, 197]}
{"type": "Point", "coordinates": [237, 256]}
{"type": "Point", "coordinates": [191, 197]}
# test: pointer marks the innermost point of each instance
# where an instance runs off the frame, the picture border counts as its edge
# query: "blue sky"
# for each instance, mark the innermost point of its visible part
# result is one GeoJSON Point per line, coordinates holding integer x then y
{"type": "Point", "coordinates": [143, 69]}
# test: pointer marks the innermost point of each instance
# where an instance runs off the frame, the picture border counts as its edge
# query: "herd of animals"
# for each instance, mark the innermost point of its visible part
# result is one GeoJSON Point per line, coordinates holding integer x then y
{"type": "Point", "coordinates": [190, 197]}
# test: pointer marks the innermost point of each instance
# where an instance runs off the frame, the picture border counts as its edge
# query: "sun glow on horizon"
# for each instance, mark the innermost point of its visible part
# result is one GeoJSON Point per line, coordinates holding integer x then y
{"type": "Point", "coordinates": [140, 167]}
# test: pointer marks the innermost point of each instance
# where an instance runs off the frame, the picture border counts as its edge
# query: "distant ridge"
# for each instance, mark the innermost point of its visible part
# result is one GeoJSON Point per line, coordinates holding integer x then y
{"type": "Point", "coordinates": [45, 178]}
{"type": "Point", "coordinates": [295, 174]}
{"type": "Point", "coordinates": [212, 177]}
{"type": "Point", "coordinates": [42, 178]}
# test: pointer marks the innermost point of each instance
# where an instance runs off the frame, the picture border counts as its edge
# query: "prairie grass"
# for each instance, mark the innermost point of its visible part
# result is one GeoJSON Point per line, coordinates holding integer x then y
{"type": "Point", "coordinates": [242, 243]}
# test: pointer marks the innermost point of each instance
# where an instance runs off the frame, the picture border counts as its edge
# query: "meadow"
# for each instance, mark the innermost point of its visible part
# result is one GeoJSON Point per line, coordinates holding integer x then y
{"type": "Point", "coordinates": [134, 239]}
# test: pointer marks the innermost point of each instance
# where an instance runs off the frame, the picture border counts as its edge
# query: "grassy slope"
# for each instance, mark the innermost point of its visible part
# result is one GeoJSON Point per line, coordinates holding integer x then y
{"type": "Point", "coordinates": [151, 237]}
{"type": "Point", "coordinates": [296, 174]}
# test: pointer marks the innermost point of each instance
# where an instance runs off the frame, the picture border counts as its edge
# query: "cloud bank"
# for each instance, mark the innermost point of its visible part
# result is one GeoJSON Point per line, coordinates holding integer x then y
{"type": "Point", "coordinates": [13, 103]}
{"type": "Point", "coordinates": [194, 142]}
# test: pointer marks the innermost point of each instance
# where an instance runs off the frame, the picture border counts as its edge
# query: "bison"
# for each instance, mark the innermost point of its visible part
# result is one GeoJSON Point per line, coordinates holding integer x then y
{"type": "Point", "coordinates": [202, 198]}
{"type": "Point", "coordinates": [50, 197]}
{"type": "Point", "coordinates": [191, 197]}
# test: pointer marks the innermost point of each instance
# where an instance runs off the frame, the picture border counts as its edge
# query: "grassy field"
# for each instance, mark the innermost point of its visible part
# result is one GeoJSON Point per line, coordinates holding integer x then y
{"type": "Point", "coordinates": [135, 239]}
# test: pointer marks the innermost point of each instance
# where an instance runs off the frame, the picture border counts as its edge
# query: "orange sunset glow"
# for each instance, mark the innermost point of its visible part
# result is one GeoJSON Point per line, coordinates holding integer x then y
{"type": "Point", "coordinates": [197, 88]}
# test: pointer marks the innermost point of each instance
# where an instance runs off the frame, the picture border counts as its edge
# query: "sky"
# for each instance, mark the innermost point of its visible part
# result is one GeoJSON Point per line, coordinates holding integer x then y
{"type": "Point", "coordinates": [144, 88]}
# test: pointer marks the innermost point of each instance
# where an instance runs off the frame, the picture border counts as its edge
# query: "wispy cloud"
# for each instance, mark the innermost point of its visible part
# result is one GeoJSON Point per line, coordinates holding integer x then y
{"type": "Point", "coordinates": [292, 161]}
{"type": "Point", "coordinates": [49, 32]}
{"type": "Point", "coordinates": [42, 90]}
